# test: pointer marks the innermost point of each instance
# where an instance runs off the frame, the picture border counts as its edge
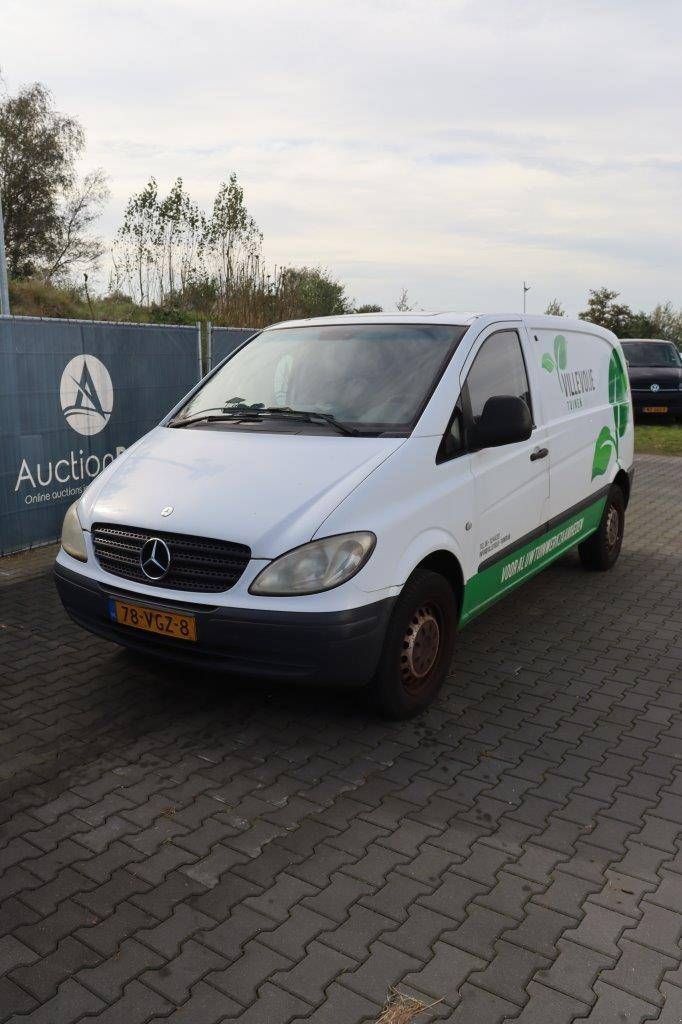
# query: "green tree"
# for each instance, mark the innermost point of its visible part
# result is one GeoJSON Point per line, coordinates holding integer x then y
{"type": "Point", "coordinates": [602, 309]}
{"type": "Point", "coordinates": [309, 291]}
{"type": "Point", "coordinates": [554, 308]}
{"type": "Point", "coordinates": [369, 307]}
{"type": "Point", "coordinates": [47, 210]}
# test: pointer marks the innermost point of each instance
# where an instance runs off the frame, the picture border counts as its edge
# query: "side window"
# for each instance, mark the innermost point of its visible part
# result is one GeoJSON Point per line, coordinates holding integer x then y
{"type": "Point", "coordinates": [498, 369]}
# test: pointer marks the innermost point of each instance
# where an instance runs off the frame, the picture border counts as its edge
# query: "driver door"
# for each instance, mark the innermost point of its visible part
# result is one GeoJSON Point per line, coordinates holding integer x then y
{"type": "Point", "coordinates": [511, 481]}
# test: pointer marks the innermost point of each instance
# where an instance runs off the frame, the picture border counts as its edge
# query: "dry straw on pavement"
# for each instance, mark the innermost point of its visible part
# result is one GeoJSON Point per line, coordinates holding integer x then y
{"type": "Point", "coordinates": [403, 1009]}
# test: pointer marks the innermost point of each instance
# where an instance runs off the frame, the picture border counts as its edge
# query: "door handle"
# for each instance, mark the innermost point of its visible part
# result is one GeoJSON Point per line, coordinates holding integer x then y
{"type": "Point", "coordinates": [539, 453]}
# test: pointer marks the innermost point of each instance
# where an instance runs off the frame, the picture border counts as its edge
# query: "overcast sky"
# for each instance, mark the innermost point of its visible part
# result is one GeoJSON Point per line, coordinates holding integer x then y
{"type": "Point", "coordinates": [452, 147]}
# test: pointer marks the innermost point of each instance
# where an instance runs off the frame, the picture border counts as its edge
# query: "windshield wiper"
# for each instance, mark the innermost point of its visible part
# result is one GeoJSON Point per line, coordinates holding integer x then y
{"type": "Point", "coordinates": [211, 417]}
{"type": "Point", "coordinates": [256, 413]}
{"type": "Point", "coordinates": [309, 416]}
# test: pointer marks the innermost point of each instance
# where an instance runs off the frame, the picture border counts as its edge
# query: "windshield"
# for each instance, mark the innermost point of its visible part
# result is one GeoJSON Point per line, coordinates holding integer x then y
{"type": "Point", "coordinates": [374, 377]}
{"type": "Point", "coordinates": [651, 353]}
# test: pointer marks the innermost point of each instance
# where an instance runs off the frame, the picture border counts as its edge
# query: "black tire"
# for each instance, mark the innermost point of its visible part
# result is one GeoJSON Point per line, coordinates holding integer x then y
{"type": "Point", "coordinates": [601, 550]}
{"type": "Point", "coordinates": [418, 646]}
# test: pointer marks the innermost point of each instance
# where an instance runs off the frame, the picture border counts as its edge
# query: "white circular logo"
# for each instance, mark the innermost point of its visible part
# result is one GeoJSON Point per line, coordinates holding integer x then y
{"type": "Point", "coordinates": [655, 387]}
{"type": "Point", "coordinates": [86, 394]}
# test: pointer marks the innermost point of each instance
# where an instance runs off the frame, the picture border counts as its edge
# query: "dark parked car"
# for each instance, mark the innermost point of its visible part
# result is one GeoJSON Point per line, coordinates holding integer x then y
{"type": "Point", "coordinates": [655, 372]}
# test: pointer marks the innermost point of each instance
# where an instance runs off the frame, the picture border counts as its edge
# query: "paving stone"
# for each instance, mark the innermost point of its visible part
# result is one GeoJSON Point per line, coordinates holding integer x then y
{"type": "Point", "coordinates": [547, 1005]}
{"type": "Point", "coordinates": [293, 936]}
{"type": "Point", "coordinates": [452, 896]}
{"type": "Point", "coordinates": [394, 898]}
{"type": "Point", "coordinates": [71, 1002]}
{"type": "Point", "coordinates": [383, 969]}
{"type": "Point", "coordinates": [175, 979]}
{"type": "Point", "coordinates": [44, 934]}
{"type": "Point", "coordinates": [477, 1005]}
{"type": "Point", "coordinates": [445, 973]}
{"type": "Point", "coordinates": [509, 972]}
{"type": "Point", "coordinates": [341, 1004]}
{"type": "Point", "coordinates": [206, 1005]}
{"type": "Point", "coordinates": [479, 931]}
{"type": "Point", "coordinates": [137, 1004]}
{"type": "Point", "coordinates": [615, 1005]}
{"type": "Point", "coordinates": [244, 976]}
{"type": "Point", "coordinates": [540, 930]}
{"type": "Point", "coordinates": [14, 1000]}
{"type": "Point", "coordinates": [311, 975]}
{"type": "Point", "coordinates": [277, 901]}
{"type": "Point", "coordinates": [110, 977]}
{"type": "Point", "coordinates": [228, 937]}
{"type": "Point", "coordinates": [107, 935]}
{"type": "Point", "coordinates": [43, 978]}
{"type": "Point", "coordinates": [168, 936]}
{"type": "Point", "coordinates": [575, 970]}
{"type": "Point", "coordinates": [658, 929]}
{"type": "Point", "coordinates": [273, 1005]}
{"type": "Point", "coordinates": [14, 953]}
{"type": "Point", "coordinates": [600, 930]}
{"type": "Point", "coordinates": [336, 899]}
{"type": "Point", "coordinates": [639, 971]}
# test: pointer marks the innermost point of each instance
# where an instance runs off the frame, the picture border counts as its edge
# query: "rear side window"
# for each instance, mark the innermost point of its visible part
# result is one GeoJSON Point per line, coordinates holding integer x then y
{"type": "Point", "coordinates": [498, 369]}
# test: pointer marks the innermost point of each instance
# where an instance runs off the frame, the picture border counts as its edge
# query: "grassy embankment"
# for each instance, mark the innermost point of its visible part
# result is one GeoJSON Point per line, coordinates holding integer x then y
{"type": "Point", "coordinates": [659, 439]}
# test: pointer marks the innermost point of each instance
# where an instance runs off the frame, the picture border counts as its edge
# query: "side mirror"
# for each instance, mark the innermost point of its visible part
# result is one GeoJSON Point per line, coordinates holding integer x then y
{"type": "Point", "coordinates": [504, 420]}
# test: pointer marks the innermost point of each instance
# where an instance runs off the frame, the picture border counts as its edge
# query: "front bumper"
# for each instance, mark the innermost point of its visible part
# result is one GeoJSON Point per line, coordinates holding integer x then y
{"type": "Point", "coordinates": [336, 648]}
{"type": "Point", "coordinates": [672, 400]}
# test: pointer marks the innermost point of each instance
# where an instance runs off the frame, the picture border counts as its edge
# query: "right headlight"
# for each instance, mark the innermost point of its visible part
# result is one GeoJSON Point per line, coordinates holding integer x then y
{"type": "Point", "coordinates": [73, 538]}
{"type": "Point", "coordinates": [317, 566]}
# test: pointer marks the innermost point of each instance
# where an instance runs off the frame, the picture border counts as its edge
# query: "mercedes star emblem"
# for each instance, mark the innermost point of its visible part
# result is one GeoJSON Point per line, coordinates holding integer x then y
{"type": "Point", "coordinates": [155, 558]}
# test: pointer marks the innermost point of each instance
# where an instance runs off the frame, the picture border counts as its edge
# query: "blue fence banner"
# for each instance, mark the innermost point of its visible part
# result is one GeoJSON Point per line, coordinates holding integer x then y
{"type": "Point", "coordinates": [74, 395]}
{"type": "Point", "coordinates": [224, 340]}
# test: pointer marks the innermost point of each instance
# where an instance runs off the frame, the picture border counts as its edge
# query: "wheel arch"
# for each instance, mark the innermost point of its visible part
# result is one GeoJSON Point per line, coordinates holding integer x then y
{"type": "Point", "coordinates": [622, 480]}
{"type": "Point", "coordinates": [446, 564]}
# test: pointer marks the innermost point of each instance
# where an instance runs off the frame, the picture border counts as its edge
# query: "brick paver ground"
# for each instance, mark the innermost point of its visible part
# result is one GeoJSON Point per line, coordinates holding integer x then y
{"type": "Point", "coordinates": [176, 847]}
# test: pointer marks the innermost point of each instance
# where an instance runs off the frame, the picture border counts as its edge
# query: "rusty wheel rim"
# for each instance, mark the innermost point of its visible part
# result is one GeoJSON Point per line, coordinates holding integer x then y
{"type": "Point", "coordinates": [420, 647]}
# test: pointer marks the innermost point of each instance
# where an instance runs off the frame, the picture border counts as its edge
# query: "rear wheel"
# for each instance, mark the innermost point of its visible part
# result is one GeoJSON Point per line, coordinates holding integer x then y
{"type": "Point", "coordinates": [418, 646]}
{"type": "Point", "coordinates": [600, 551]}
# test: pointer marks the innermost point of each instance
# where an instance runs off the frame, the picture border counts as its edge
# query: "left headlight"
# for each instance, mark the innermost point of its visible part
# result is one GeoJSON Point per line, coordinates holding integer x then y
{"type": "Point", "coordinates": [73, 538]}
{"type": "Point", "coordinates": [317, 566]}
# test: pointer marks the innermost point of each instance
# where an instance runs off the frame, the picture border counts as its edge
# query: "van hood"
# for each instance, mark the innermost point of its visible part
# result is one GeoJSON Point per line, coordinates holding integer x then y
{"type": "Point", "coordinates": [269, 491]}
{"type": "Point", "coordinates": [665, 376]}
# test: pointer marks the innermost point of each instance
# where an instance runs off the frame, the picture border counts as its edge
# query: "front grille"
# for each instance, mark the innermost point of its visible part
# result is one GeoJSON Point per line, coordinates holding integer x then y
{"type": "Point", "coordinates": [197, 563]}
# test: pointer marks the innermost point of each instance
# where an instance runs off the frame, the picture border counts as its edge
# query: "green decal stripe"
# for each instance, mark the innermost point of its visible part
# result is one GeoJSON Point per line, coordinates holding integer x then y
{"type": "Point", "coordinates": [492, 583]}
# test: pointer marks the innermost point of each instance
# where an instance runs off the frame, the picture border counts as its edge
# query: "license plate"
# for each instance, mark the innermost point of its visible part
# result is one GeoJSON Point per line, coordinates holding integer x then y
{"type": "Point", "coordinates": [655, 408]}
{"type": "Point", "coordinates": [151, 620]}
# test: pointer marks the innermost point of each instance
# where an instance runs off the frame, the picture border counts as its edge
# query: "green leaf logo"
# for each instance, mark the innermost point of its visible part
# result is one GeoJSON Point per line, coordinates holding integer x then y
{"type": "Point", "coordinates": [618, 382]}
{"type": "Point", "coordinates": [548, 362]}
{"type": "Point", "coordinates": [620, 418]}
{"type": "Point", "coordinates": [605, 444]}
{"type": "Point", "coordinates": [560, 351]}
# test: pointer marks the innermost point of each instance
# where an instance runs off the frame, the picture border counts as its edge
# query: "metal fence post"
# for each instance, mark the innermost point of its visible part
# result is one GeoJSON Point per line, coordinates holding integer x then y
{"type": "Point", "coordinates": [4, 288]}
{"type": "Point", "coordinates": [209, 346]}
{"type": "Point", "coordinates": [201, 368]}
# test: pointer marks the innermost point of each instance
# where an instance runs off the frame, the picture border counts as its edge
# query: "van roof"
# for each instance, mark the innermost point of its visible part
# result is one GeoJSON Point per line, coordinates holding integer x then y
{"type": "Point", "coordinates": [460, 319]}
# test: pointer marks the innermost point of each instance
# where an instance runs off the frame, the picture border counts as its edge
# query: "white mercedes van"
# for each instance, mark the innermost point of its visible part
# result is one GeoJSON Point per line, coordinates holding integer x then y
{"type": "Point", "coordinates": [340, 496]}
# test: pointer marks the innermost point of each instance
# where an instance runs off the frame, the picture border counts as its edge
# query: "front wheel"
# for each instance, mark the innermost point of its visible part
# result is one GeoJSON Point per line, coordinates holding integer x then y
{"type": "Point", "coordinates": [418, 646]}
{"type": "Point", "coordinates": [600, 551]}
